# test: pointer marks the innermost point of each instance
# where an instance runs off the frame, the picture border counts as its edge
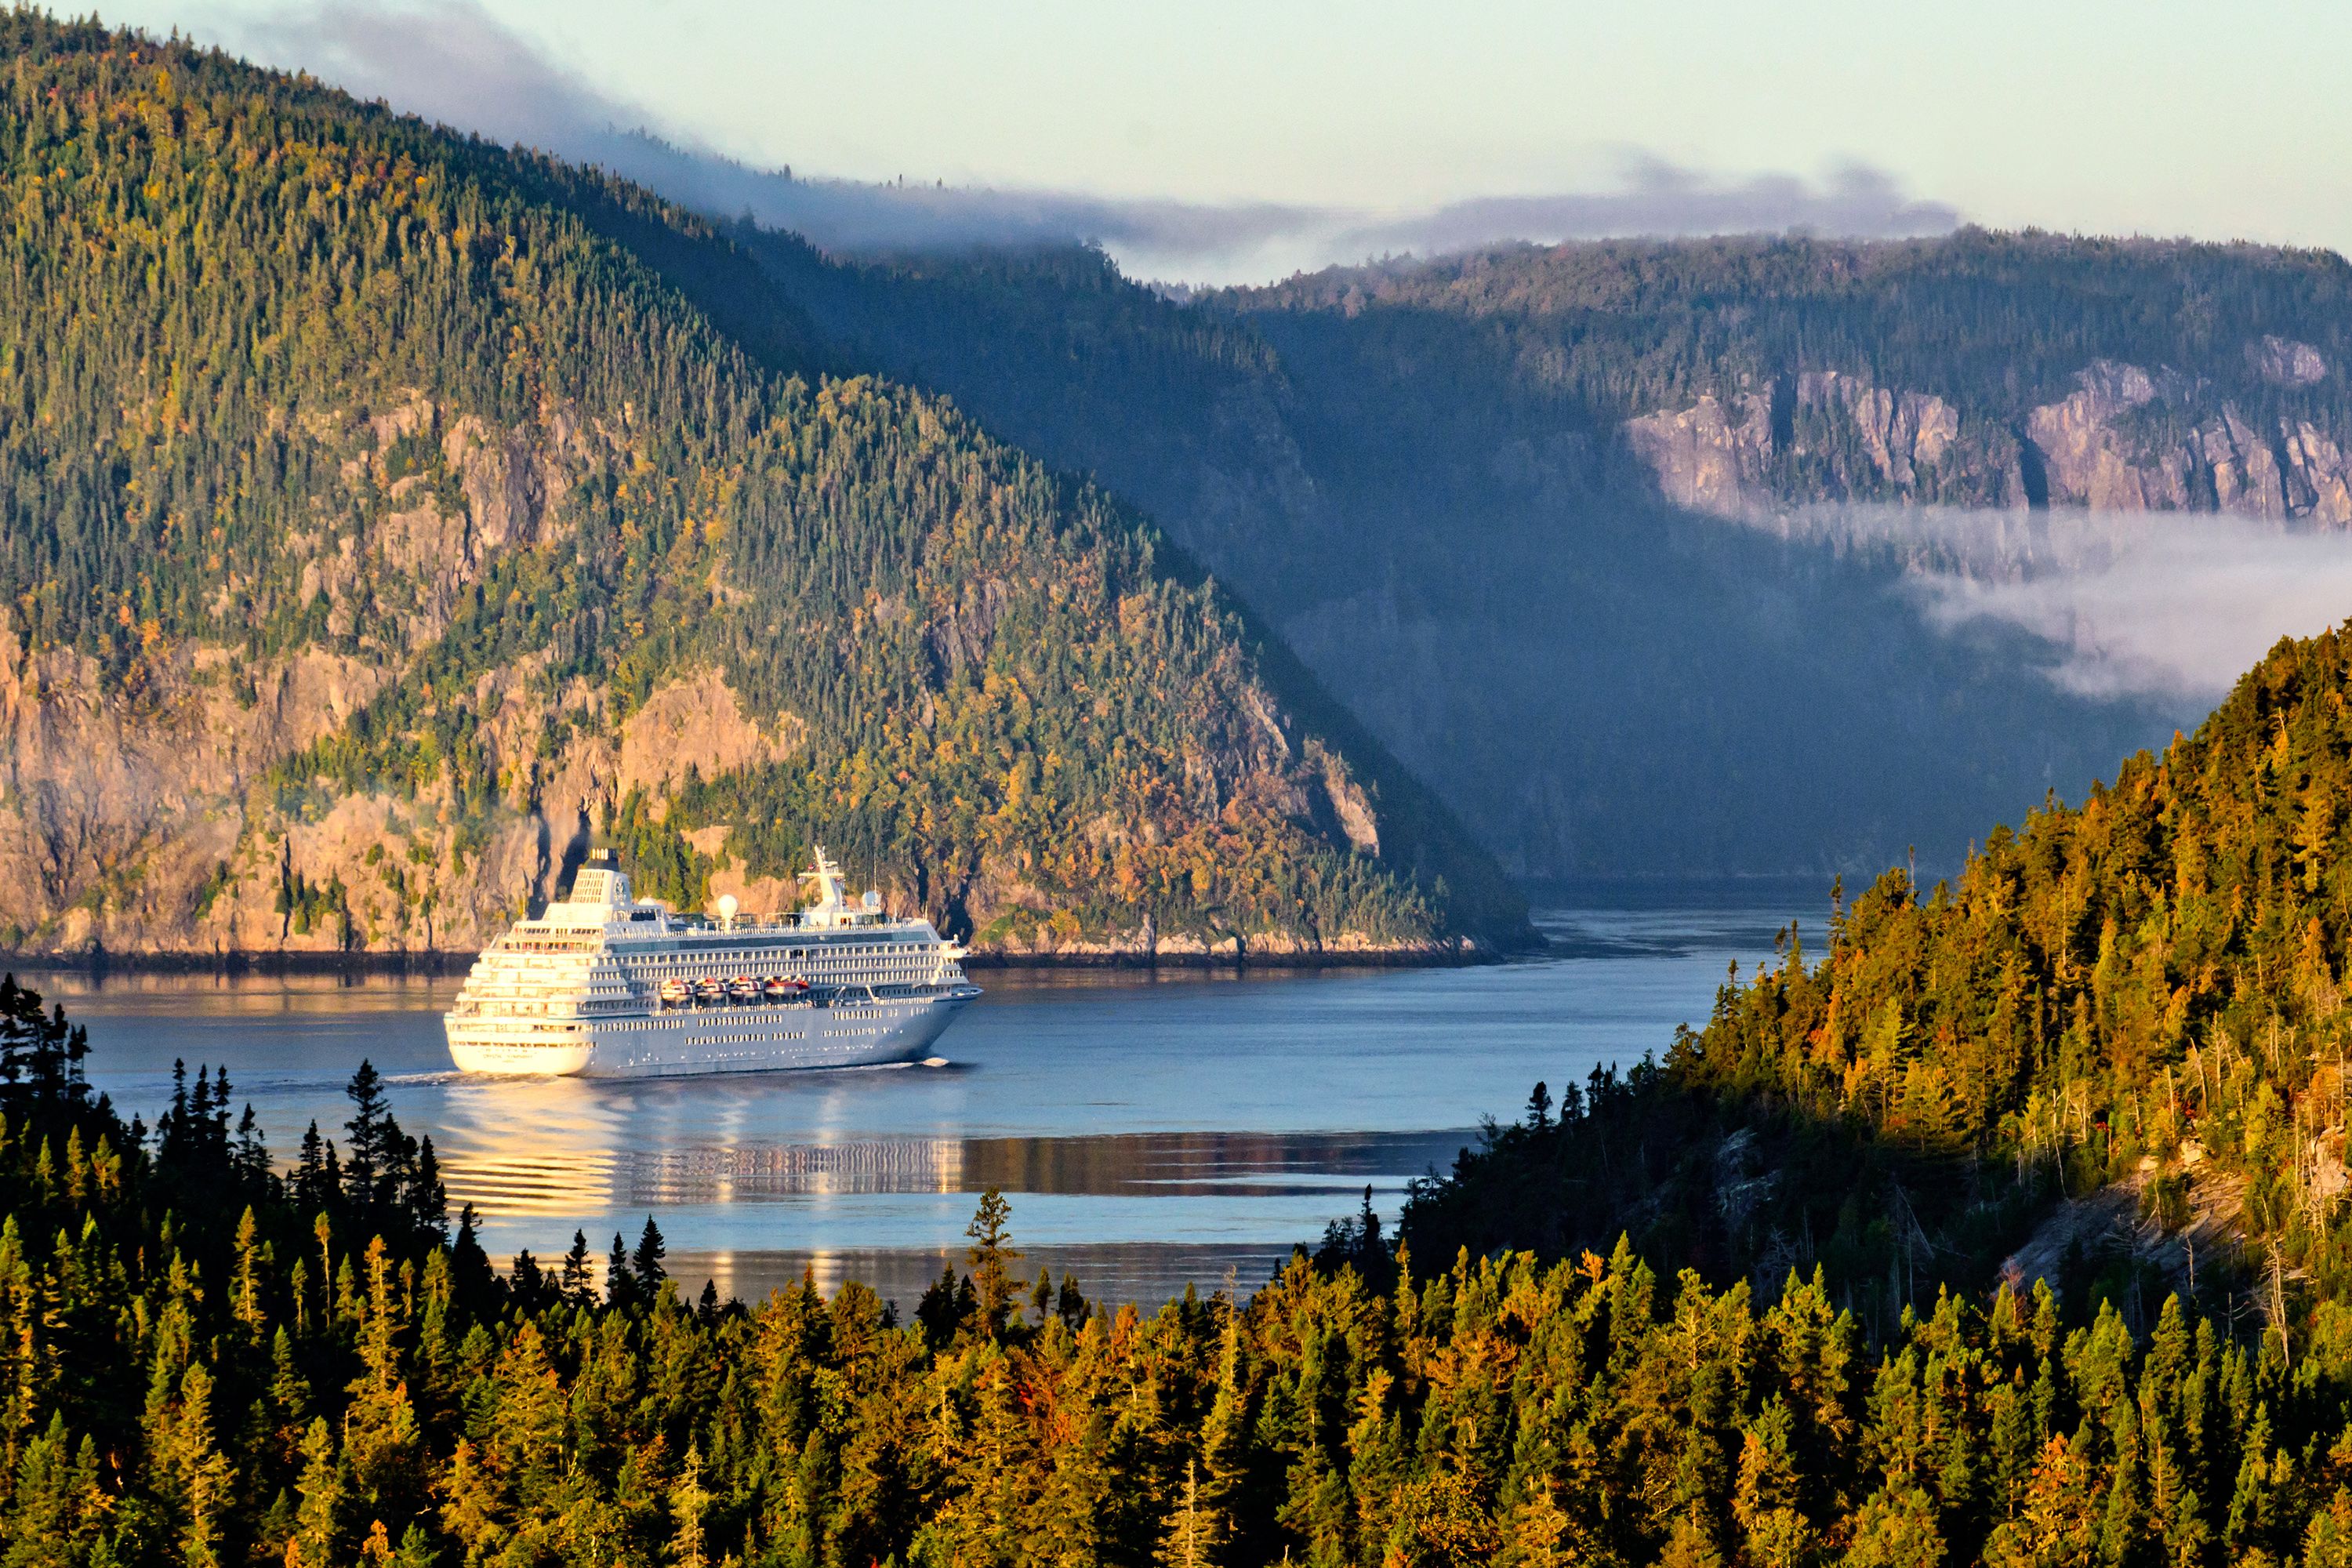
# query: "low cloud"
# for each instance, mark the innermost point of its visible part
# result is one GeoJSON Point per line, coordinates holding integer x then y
{"type": "Point", "coordinates": [448, 60]}
{"type": "Point", "coordinates": [1655, 197]}
{"type": "Point", "coordinates": [2167, 605]}
{"type": "Point", "coordinates": [451, 61]}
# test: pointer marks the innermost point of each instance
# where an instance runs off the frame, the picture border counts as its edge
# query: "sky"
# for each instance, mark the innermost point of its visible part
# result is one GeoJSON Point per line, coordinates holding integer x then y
{"type": "Point", "coordinates": [1217, 141]}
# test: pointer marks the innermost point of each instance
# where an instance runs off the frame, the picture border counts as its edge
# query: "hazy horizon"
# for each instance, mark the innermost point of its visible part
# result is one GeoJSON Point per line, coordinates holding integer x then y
{"type": "Point", "coordinates": [1221, 156]}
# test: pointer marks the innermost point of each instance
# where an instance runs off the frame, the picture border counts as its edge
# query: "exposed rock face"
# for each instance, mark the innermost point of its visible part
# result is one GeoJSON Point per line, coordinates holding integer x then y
{"type": "Point", "coordinates": [149, 831]}
{"type": "Point", "coordinates": [2282, 361]}
{"type": "Point", "coordinates": [1348, 804]}
{"type": "Point", "coordinates": [2126, 439]}
{"type": "Point", "coordinates": [1832, 435]}
{"type": "Point", "coordinates": [1906, 434]}
{"type": "Point", "coordinates": [696, 724]}
{"type": "Point", "coordinates": [2097, 451]}
{"type": "Point", "coordinates": [2077, 442]}
{"type": "Point", "coordinates": [123, 810]}
{"type": "Point", "coordinates": [1708, 456]}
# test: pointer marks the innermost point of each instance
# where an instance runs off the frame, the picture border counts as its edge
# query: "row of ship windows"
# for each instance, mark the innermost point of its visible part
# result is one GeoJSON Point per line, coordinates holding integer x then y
{"type": "Point", "coordinates": [534, 950]}
{"type": "Point", "coordinates": [497, 1004]}
{"type": "Point", "coordinates": [622, 973]}
{"type": "Point", "coordinates": [698, 966]}
{"type": "Point", "coordinates": [759, 954]}
{"type": "Point", "coordinates": [716, 963]}
{"type": "Point", "coordinates": [798, 971]}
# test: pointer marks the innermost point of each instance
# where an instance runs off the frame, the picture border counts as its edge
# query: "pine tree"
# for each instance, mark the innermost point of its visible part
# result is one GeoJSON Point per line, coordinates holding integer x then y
{"type": "Point", "coordinates": [196, 1476]}
{"type": "Point", "coordinates": [245, 1284]}
{"type": "Point", "coordinates": [991, 1256]}
{"type": "Point", "coordinates": [578, 1280]}
{"type": "Point", "coordinates": [319, 1520]}
{"type": "Point", "coordinates": [620, 1284]}
{"type": "Point", "coordinates": [55, 1511]}
{"type": "Point", "coordinates": [473, 1282]}
{"type": "Point", "coordinates": [645, 1262]}
{"type": "Point", "coordinates": [1192, 1537]}
{"type": "Point", "coordinates": [688, 1504]}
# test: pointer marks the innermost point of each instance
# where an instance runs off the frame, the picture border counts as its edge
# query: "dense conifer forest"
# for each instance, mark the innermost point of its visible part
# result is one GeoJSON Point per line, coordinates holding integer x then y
{"type": "Point", "coordinates": [210, 1361]}
{"type": "Point", "coordinates": [2110, 1050]}
{"type": "Point", "coordinates": [2147, 987]}
{"type": "Point", "coordinates": [508, 450]}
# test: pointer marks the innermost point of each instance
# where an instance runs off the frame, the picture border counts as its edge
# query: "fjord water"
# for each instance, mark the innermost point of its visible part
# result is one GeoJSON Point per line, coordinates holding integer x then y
{"type": "Point", "coordinates": [1150, 1130]}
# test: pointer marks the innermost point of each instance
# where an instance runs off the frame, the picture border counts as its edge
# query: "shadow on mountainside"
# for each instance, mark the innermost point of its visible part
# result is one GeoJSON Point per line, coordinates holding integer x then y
{"type": "Point", "coordinates": [1748, 1187]}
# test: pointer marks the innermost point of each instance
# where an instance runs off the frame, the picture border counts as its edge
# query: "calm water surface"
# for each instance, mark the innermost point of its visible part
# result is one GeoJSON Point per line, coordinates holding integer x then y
{"type": "Point", "coordinates": [1150, 1130]}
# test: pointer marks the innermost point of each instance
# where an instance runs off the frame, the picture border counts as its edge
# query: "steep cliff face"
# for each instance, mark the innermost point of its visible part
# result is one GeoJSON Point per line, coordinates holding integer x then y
{"type": "Point", "coordinates": [2131, 440]}
{"type": "Point", "coordinates": [2126, 439]}
{"type": "Point", "coordinates": [1823, 433]}
{"type": "Point", "coordinates": [1709, 457]}
{"type": "Point", "coordinates": [117, 810]}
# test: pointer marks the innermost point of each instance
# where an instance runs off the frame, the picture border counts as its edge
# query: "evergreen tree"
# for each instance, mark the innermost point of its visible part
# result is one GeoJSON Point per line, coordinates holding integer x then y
{"type": "Point", "coordinates": [578, 1280]}
{"type": "Point", "coordinates": [645, 1262]}
{"type": "Point", "coordinates": [991, 1256]}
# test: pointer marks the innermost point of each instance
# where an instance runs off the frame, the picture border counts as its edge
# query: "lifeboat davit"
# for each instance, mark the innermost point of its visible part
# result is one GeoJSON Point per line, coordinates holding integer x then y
{"type": "Point", "coordinates": [675, 993]}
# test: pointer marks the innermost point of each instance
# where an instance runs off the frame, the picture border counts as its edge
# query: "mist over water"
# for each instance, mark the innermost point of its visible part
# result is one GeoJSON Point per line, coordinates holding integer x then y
{"type": "Point", "coordinates": [2128, 605]}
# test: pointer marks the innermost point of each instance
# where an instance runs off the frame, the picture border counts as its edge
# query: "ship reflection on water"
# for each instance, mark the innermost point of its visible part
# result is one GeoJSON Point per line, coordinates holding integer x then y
{"type": "Point", "coordinates": [1152, 1131]}
{"type": "Point", "coordinates": [1179, 1207]}
{"type": "Point", "coordinates": [1114, 1273]}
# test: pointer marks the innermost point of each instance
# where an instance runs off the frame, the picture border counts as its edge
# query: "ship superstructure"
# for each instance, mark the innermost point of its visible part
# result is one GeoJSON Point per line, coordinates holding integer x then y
{"type": "Point", "coordinates": [612, 986]}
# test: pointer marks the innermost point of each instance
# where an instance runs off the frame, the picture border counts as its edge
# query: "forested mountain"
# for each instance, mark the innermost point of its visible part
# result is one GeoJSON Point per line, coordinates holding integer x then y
{"type": "Point", "coordinates": [384, 512]}
{"type": "Point", "coordinates": [2110, 1052]}
{"type": "Point", "coordinates": [404, 498]}
{"type": "Point", "coordinates": [1979, 369]}
{"type": "Point", "coordinates": [1485, 497]}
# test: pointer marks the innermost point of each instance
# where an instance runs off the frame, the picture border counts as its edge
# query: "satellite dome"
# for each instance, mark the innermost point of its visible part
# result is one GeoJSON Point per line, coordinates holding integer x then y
{"type": "Point", "coordinates": [727, 906]}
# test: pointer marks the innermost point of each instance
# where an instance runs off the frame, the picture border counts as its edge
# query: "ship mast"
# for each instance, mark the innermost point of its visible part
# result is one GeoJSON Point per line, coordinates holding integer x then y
{"type": "Point", "coordinates": [831, 908]}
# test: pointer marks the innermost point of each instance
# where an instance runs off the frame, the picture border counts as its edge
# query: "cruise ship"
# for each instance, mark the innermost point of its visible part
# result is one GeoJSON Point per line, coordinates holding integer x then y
{"type": "Point", "coordinates": [611, 986]}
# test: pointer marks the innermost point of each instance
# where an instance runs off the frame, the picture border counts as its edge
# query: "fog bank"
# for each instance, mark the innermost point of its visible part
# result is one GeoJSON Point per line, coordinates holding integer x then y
{"type": "Point", "coordinates": [2168, 605]}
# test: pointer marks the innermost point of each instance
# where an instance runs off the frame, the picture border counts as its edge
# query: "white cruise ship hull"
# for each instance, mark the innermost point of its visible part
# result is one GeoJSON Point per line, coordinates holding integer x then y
{"type": "Point", "coordinates": [608, 985]}
{"type": "Point", "coordinates": [688, 1040]}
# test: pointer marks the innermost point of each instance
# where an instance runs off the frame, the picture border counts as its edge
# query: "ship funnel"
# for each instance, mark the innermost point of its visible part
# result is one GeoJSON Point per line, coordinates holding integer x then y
{"type": "Point", "coordinates": [600, 888]}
